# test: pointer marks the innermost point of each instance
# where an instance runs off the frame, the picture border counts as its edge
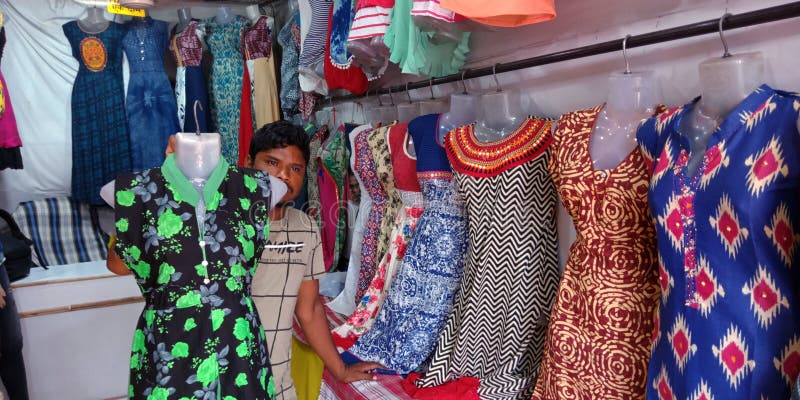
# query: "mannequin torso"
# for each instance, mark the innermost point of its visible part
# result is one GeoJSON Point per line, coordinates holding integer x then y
{"type": "Point", "coordinates": [184, 17]}
{"type": "Point", "coordinates": [407, 111]}
{"type": "Point", "coordinates": [94, 21]}
{"type": "Point", "coordinates": [224, 15]}
{"type": "Point", "coordinates": [500, 116]}
{"type": "Point", "coordinates": [724, 83]}
{"type": "Point", "coordinates": [463, 109]}
{"type": "Point", "coordinates": [631, 98]}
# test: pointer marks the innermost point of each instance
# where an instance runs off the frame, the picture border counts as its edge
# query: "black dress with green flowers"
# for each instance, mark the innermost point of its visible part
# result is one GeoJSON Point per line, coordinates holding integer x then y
{"type": "Point", "coordinates": [199, 336]}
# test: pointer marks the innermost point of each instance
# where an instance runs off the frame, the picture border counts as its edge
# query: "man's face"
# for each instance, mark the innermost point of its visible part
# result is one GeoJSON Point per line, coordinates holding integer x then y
{"type": "Point", "coordinates": [287, 164]}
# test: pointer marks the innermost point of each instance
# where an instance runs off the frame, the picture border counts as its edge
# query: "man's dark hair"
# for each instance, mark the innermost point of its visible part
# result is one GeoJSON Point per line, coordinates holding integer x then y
{"type": "Point", "coordinates": [279, 134]}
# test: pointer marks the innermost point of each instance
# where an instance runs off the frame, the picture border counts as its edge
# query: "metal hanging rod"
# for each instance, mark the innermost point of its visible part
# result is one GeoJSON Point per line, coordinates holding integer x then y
{"type": "Point", "coordinates": [757, 17]}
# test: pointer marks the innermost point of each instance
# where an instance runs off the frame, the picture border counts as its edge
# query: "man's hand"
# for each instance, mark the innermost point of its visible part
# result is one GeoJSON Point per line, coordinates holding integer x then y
{"type": "Point", "coordinates": [170, 146]}
{"type": "Point", "coordinates": [357, 372]}
{"type": "Point", "coordinates": [2, 298]}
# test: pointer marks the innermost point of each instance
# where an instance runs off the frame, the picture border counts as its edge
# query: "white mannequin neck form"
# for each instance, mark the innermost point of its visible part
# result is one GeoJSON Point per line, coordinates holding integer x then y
{"type": "Point", "coordinates": [94, 21]}
{"type": "Point", "coordinates": [724, 83]}
{"type": "Point", "coordinates": [433, 106]}
{"type": "Point", "coordinates": [500, 115]}
{"type": "Point", "coordinates": [407, 111]}
{"type": "Point", "coordinates": [197, 155]}
{"type": "Point", "coordinates": [184, 17]}
{"type": "Point", "coordinates": [224, 15]}
{"type": "Point", "coordinates": [632, 97]}
{"type": "Point", "coordinates": [253, 13]}
{"type": "Point", "coordinates": [463, 109]}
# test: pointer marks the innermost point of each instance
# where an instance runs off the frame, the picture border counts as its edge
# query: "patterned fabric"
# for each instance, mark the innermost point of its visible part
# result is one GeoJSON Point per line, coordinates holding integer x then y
{"type": "Point", "coordinates": [424, 288]}
{"type": "Point", "coordinates": [370, 21]}
{"type": "Point", "coordinates": [290, 86]}
{"type": "Point", "coordinates": [100, 140]}
{"type": "Point", "coordinates": [379, 144]}
{"type": "Point", "coordinates": [199, 334]}
{"type": "Point", "coordinates": [190, 83]}
{"type": "Point", "coordinates": [338, 68]}
{"type": "Point", "coordinates": [63, 231]}
{"type": "Point", "coordinates": [510, 204]}
{"type": "Point", "coordinates": [796, 393]}
{"type": "Point", "coordinates": [246, 119]}
{"type": "Point", "coordinates": [591, 352]}
{"type": "Point", "coordinates": [413, 51]}
{"type": "Point", "coordinates": [363, 317]}
{"type": "Point", "coordinates": [226, 81]}
{"type": "Point", "coordinates": [728, 325]}
{"type": "Point", "coordinates": [345, 302]}
{"type": "Point", "coordinates": [312, 48]}
{"type": "Point", "coordinates": [256, 42]}
{"type": "Point", "coordinates": [333, 170]}
{"type": "Point", "coordinates": [368, 168]}
{"type": "Point", "coordinates": [152, 111]}
{"type": "Point", "coordinates": [10, 143]}
{"type": "Point", "coordinates": [312, 173]}
{"type": "Point", "coordinates": [385, 387]}
{"type": "Point", "coordinates": [433, 9]}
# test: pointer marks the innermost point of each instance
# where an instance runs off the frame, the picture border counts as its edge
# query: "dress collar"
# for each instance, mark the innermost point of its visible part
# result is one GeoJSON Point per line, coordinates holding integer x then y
{"type": "Point", "coordinates": [187, 190]}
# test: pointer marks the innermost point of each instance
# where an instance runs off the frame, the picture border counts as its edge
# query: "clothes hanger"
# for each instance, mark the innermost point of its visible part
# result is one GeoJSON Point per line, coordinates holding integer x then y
{"type": "Point", "coordinates": [407, 111]}
{"type": "Point", "coordinates": [724, 83]}
{"type": "Point", "coordinates": [432, 105]}
{"type": "Point", "coordinates": [463, 109]}
{"type": "Point", "coordinates": [631, 98]}
{"type": "Point", "coordinates": [387, 113]}
{"type": "Point", "coordinates": [500, 113]}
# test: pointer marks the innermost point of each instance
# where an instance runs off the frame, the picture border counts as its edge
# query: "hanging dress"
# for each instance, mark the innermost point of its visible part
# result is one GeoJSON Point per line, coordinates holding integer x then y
{"type": "Point", "coordinates": [345, 303]}
{"type": "Point", "coordinates": [506, 13]}
{"type": "Point", "coordinates": [312, 174]}
{"type": "Point", "coordinates": [728, 321]}
{"type": "Point", "coordinates": [313, 44]}
{"type": "Point", "coordinates": [404, 170]}
{"type": "Point", "coordinates": [424, 289]}
{"type": "Point", "coordinates": [372, 246]}
{"type": "Point", "coordinates": [199, 335]}
{"type": "Point", "coordinates": [290, 84]}
{"type": "Point", "coordinates": [332, 162]}
{"type": "Point", "coordinates": [412, 49]}
{"type": "Point", "coordinates": [186, 47]}
{"type": "Point", "coordinates": [598, 341]}
{"type": "Point", "coordinates": [100, 140]}
{"type": "Point", "coordinates": [371, 19]}
{"type": "Point", "coordinates": [151, 106]}
{"type": "Point", "coordinates": [10, 143]}
{"type": "Point", "coordinates": [227, 70]}
{"type": "Point", "coordinates": [497, 329]}
{"type": "Point", "coordinates": [340, 72]}
{"type": "Point", "coordinates": [379, 144]}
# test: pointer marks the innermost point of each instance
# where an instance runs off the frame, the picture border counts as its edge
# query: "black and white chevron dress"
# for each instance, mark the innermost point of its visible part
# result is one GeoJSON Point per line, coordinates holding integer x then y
{"type": "Point", "coordinates": [498, 326]}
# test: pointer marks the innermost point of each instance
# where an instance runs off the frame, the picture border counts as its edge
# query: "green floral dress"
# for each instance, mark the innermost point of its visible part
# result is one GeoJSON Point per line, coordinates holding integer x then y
{"type": "Point", "coordinates": [199, 336]}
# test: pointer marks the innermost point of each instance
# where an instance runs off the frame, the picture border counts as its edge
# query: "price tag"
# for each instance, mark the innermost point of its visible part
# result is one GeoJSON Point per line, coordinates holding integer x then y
{"type": "Point", "coordinates": [115, 8]}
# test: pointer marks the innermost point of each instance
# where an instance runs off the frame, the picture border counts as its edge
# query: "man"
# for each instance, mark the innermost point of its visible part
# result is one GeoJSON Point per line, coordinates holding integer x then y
{"type": "Point", "coordinates": [285, 283]}
{"type": "Point", "coordinates": [12, 366]}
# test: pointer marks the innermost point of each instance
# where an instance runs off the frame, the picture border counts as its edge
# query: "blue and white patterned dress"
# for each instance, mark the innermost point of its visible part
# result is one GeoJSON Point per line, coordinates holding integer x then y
{"type": "Point", "coordinates": [728, 325]}
{"type": "Point", "coordinates": [422, 294]}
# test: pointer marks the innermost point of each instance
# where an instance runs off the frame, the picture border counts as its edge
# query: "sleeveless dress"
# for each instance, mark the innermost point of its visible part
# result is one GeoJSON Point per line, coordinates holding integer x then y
{"type": "Point", "coordinates": [412, 50]}
{"type": "Point", "coordinates": [151, 106]}
{"type": "Point", "coordinates": [370, 250]}
{"type": "Point", "coordinates": [598, 341]}
{"type": "Point", "coordinates": [381, 153]}
{"type": "Point", "coordinates": [227, 70]}
{"type": "Point", "coordinates": [424, 289]}
{"type": "Point", "coordinates": [497, 329]}
{"type": "Point", "coordinates": [728, 323]}
{"type": "Point", "coordinates": [101, 146]}
{"type": "Point", "coordinates": [344, 303]}
{"type": "Point", "coordinates": [10, 143]}
{"type": "Point", "coordinates": [506, 13]}
{"type": "Point", "coordinates": [186, 47]}
{"type": "Point", "coordinates": [333, 201]}
{"type": "Point", "coordinates": [199, 335]}
{"type": "Point", "coordinates": [404, 170]}
{"type": "Point", "coordinates": [340, 72]}
{"type": "Point", "coordinates": [312, 174]}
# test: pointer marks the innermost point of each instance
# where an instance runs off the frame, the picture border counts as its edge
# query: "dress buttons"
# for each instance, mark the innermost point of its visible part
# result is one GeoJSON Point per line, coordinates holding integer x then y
{"type": "Point", "coordinates": [603, 175]}
{"type": "Point", "coordinates": [204, 263]}
{"type": "Point", "coordinates": [202, 243]}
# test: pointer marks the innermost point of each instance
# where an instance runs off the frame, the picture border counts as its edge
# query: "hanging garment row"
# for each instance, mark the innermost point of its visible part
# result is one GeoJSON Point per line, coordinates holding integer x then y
{"type": "Point", "coordinates": [678, 285]}
{"type": "Point", "coordinates": [133, 137]}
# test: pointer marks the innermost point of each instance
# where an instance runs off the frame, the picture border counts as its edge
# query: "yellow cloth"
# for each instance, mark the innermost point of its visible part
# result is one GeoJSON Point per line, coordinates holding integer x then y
{"type": "Point", "coordinates": [307, 370]}
{"type": "Point", "coordinates": [265, 92]}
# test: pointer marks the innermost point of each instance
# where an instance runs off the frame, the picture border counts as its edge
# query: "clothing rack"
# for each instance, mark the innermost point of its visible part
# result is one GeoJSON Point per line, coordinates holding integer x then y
{"type": "Point", "coordinates": [731, 21]}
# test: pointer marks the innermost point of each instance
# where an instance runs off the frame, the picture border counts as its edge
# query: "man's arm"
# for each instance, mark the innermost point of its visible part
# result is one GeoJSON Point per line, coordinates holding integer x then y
{"type": "Point", "coordinates": [311, 314]}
